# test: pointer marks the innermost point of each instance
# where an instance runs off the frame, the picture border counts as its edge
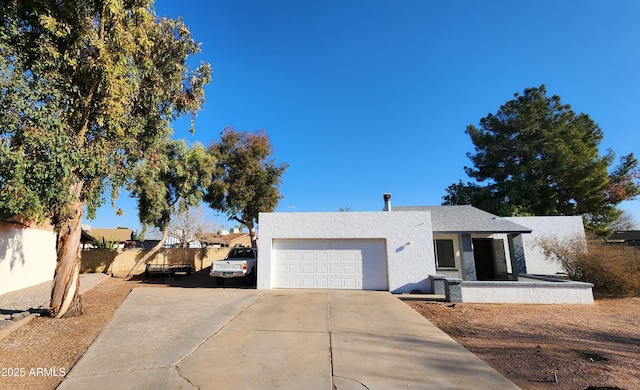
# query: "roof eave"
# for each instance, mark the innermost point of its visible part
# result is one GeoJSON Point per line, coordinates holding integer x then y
{"type": "Point", "coordinates": [482, 231]}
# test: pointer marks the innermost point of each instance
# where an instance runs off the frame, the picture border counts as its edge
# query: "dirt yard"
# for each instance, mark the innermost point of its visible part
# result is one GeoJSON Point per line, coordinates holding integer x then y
{"type": "Point", "coordinates": [580, 346]}
{"type": "Point", "coordinates": [55, 345]}
{"type": "Point", "coordinates": [584, 346]}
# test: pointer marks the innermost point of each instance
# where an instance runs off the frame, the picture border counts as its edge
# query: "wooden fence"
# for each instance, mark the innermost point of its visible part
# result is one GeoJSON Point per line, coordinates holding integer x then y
{"type": "Point", "coordinates": [120, 262]}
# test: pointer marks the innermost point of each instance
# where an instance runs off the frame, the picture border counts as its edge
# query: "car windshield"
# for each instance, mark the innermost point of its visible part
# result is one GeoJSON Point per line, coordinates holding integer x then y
{"type": "Point", "coordinates": [241, 253]}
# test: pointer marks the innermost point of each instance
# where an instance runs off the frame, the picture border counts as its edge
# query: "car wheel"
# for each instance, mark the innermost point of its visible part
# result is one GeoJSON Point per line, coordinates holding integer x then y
{"type": "Point", "coordinates": [252, 278]}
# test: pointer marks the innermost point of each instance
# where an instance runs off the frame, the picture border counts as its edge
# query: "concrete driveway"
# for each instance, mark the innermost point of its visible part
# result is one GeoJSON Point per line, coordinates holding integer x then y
{"type": "Point", "coordinates": [170, 338]}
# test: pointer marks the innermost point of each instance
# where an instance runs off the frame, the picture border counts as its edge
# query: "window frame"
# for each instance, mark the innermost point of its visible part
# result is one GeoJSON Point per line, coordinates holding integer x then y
{"type": "Point", "coordinates": [437, 254]}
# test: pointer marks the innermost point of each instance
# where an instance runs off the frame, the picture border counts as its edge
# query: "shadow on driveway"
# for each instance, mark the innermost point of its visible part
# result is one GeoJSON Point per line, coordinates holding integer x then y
{"type": "Point", "coordinates": [199, 279]}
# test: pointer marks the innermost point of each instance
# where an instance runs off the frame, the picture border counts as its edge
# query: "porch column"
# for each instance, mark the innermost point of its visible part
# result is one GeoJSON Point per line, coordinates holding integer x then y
{"type": "Point", "coordinates": [468, 263]}
{"type": "Point", "coordinates": [516, 252]}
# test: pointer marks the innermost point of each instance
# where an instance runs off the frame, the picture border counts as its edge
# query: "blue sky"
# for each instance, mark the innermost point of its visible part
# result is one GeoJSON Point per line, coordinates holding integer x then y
{"type": "Point", "coordinates": [366, 97]}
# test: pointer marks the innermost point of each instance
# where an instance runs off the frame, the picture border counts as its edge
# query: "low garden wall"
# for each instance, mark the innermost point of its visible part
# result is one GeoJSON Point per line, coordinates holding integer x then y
{"type": "Point", "coordinates": [532, 291]}
{"type": "Point", "coordinates": [120, 262]}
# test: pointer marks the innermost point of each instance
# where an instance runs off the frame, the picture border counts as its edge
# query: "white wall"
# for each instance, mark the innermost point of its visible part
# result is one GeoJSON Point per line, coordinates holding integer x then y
{"type": "Point", "coordinates": [527, 292]}
{"type": "Point", "coordinates": [408, 265]}
{"type": "Point", "coordinates": [27, 257]}
{"type": "Point", "coordinates": [558, 227]}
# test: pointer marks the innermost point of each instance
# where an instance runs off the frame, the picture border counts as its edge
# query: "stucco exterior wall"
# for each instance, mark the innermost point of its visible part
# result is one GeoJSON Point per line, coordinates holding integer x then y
{"type": "Point", "coordinates": [559, 227]}
{"type": "Point", "coordinates": [27, 257]}
{"type": "Point", "coordinates": [408, 237]}
{"type": "Point", "coordinates": [527, 292]}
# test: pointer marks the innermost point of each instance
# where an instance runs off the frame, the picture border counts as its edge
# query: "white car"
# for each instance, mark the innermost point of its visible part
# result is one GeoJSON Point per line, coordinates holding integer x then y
{"type": "Point", "coordinates": [241, 262]}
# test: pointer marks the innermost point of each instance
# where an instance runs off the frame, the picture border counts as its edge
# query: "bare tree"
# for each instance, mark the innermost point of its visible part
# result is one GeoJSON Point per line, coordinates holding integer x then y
{"type": "Point", "coordinates": [626, 221]}
{"type": "Point", "coordinates": [186, 227]}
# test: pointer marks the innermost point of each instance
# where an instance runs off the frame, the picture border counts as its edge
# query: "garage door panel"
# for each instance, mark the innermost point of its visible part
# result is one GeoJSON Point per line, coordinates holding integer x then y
{"type": "Point", "coordinates": [336, 283]}
{"type": "Point", "coordinates": [339, 264]}
{"type": "Point", "coordinates": [317, 282]}
{"type": "Point", "coordinates": [349, 269]}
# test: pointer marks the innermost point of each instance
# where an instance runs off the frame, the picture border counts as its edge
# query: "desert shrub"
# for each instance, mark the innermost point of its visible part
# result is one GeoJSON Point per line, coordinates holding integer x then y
{"type": "Point", "coordinates": [105, 244]}
{"type": "Point", "coordinates": [612, 269]}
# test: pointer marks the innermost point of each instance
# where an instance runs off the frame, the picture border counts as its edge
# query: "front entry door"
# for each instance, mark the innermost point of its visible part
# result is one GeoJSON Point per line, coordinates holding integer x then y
{"type": "Point", "coordinates": [483, 258]}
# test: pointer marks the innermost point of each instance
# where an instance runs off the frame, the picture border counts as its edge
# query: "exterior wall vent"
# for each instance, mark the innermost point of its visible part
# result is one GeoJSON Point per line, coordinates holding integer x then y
{"type": "Point", "coordinates": [387, 201]}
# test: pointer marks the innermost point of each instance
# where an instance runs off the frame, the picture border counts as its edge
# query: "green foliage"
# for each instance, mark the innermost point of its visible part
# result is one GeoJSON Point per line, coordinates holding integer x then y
{"type": "Point", "coordinates": [246, 181]}
{"type": "Point", "coordinates": [481, 197]}
{"type": "Point", "coordinates": [535, 156]}
{"type": "Point", "coordinates": [105, 244]}
{"type": "Point", "coordinates": [170, 181]}
{"type": "Point", "coordinates": [89, 88]}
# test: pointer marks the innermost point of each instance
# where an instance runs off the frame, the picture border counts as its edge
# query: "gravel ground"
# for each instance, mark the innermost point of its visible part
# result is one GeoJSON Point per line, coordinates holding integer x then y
{"type": "Point", "coordinates": [549, 347]}
{"type": "Point", "coordinates": [18, 304]}
{"type": "Point", "coordinates": [39, 354]}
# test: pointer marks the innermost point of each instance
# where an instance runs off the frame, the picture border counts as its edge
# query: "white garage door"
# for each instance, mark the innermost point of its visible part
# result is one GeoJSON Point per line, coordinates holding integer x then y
{"type": "Point", "coordinates": [335, 264]}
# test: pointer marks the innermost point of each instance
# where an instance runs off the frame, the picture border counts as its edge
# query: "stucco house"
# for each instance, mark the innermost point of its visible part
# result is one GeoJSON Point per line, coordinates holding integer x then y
{"type": "Point", "coordinates": [400, 248]}
{"type": "Point", "coordinates": [221, 239]}
{"type": "Point", "coordinates": [27, 254]}
{"type": "Point", "coordinates": [225, 239]}
{"type": "Point", "coordinates": [117, 236]}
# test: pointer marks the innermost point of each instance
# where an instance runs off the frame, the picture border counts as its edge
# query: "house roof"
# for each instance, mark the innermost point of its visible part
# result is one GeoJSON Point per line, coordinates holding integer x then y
{"type": "Point", "coordinates": [116, 235]}
{"type": "Point", "coordinates": [213, 238]}
{"type": "Point", "coordinates": [235, 236]}
{"type": "Point", "coordinates": [465, 219]}
{"type": "Point", "coordinates": [625, 236]}
{"type": "Point", "coordinates": [21, 222]}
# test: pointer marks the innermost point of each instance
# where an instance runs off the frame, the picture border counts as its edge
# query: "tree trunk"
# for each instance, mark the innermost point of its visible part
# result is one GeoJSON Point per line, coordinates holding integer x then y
{"type": "Point", "coordinates": [149, 255]}
{"type": "Point", "coordinates": [65, 300]}
{"type": "Point", "coordinates": [253, 237]}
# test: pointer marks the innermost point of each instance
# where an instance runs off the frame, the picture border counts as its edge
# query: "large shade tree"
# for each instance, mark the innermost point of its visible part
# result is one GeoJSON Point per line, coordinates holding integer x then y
{"type": "Point", "coordinates": [87, 89]}
{"type": "Point", "coordinates": [247, 179]}
{"type": "Point", "coordinates": [536, 156]}
{"type": "Point", "coordinates": [169, 182]}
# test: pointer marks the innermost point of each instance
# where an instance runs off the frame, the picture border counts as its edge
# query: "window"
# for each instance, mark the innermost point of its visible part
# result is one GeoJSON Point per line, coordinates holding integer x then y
{"type": "Point", "coordinates": [241, 253]}
{"type": "Point", "coordinates": [445, 256]}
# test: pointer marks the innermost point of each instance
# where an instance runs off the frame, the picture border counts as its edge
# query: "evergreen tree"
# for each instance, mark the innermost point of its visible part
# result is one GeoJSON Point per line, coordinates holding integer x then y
{"type": "Point", "coordinates": [536, 156]}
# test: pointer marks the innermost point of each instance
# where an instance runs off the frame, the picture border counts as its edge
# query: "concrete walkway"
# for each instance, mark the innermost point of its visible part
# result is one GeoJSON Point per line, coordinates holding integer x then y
{"type": "Point", "coordinates": [168, 338]}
